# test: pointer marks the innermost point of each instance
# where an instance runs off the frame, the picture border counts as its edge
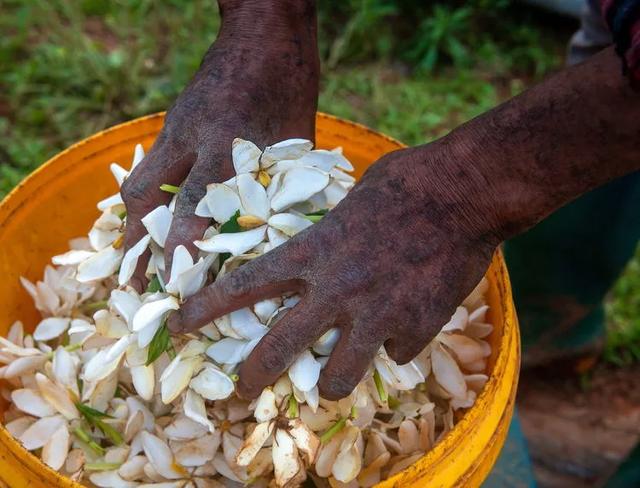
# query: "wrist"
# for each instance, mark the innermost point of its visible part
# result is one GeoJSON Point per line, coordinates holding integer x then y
{"type": "Point", "coordinates": [453, 176]}
{"type": "Point", "coordinates": [266, 21]}
{"type": "Point", "coordinates": [504, 203]}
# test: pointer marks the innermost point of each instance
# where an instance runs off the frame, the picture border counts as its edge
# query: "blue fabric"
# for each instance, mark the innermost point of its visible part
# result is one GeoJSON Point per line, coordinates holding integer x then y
{"type": "Point", "coordinates": [513, 468]}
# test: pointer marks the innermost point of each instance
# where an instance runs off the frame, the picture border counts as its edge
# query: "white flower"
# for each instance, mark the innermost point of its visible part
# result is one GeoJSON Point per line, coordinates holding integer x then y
{"type": "Point", "coordinates": [179, 418]}
{"type": "Point", "coordinates": [294, 444]}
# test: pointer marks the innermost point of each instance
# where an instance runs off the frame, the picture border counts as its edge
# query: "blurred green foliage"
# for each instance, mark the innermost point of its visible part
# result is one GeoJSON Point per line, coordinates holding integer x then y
{"type": "Point", "coordinates": [623, 313]}
{"type": "Point", "coordinates": [69, 68]}
{"type": "Point", "coordinates": [414, 70]}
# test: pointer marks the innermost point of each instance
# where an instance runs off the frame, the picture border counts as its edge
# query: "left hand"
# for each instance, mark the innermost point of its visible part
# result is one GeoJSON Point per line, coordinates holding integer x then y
{"type": "Point", "coordinates": [387, 266]}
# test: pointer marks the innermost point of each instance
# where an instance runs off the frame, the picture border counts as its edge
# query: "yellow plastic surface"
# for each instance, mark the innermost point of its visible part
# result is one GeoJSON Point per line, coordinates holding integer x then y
{"type": "Point", "coordinates": [58, 202]}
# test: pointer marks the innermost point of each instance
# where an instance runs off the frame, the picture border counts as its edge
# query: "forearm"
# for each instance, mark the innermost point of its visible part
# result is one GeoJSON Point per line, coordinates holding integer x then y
{"type": "Point", "coordinates": [283, 25]}
{"type": "Point", "coordinates": [535, 153]}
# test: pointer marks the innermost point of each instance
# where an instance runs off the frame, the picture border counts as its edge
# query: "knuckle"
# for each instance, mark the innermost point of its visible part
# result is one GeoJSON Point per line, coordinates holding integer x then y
{"type": "Point", "coordinates": [190, 196]}
{"type": "Point", "coordinates": [275, 352]}
{"type": "Point", "coordinates": [135, 192]}
{"type": "Point", "coordinates": [236, 285]}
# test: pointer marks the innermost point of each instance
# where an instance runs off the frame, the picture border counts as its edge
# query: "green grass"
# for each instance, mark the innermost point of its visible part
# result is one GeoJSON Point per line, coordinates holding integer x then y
{"type": "Point", "coordinates": [69, 68]}
{"type": "Point", "coordinates": [623, 313]}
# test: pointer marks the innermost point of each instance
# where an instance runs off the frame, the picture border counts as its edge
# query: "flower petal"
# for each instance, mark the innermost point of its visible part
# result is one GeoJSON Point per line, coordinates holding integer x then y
{"type": "Point", "coordinates": [264, 309]}
{"type": "Point", "coordinates": [348, 461]}
{"type": "Point", "coordinates": [236, 244]}
{"type": "Point", "coordinates": [212, 384]}
{"type": "Point", "coordinates": [138, 155]}
{"type": "Point", "coordinates": [306, 441]}
{"type": "Point", "coordinates": [266, 408]}
{"type": "Point", "coordinates": [287, 149]}
{"type": "Point", "coordinates": [228, 351]}
{"type": "Point", "coordinates": [194, 408]}
{"type": "Point", "coordinates": [118, 172]}
{"type": "Point", "coordinates": [143, 378]}
{"type": "Point", "coordinates": [31, 402]}
{"type": "Point", "coordinates": [50, 328]}
{"type": "Point", "coordinates": [324, 346]}
{"type": "Point", "coordinates": [305, 371]}
{"type": "Point", "coordinates": [110, 479]}
{"type": "Point", "coordinates": [286, 463]}
{"type": "Point", "coordinates": [181, 262]}
{"type": "Point", "coordinates": [458, 321]}
{"type": "Point", "coordinates": [57, 397]}
{"type": "Point", "coordinates": [446, 372]}
{"type": "Point", "coordinates": [157, 222]}
{"type": "Point", "coordinates": [109, 202]}
{"type": "Point", "coordinates": [106, 361]}
{"type": "Point", "coordinates": [71, 258]}
{"type": "Point", "coordinates": [126, 304]}
{"type": "Point", "coordinates": [289, 224]}
{"type": "Point", "coordinates": [151, 312]}
{"type": "Point", "coordinates": [298, 185]}
{"type": "Point", "coordinates": [160, 456]}
{"type": "Point", "coordinates": [245, 323]}
{"type": "Point", "coordinates": [101, 265]}
{"type": "Point", "coordinates": [245, 155]}
{"type": "Point", "coordinates": [54, 453]}
{"type": "Point", "coordinates": [192, 280]}
{"type": "Point", "coordinates": [24, 366]}
{"type": "Point", "coordinates": [198, 452]}
{"type": "Point", "coordinates": [220, 203]}
{"type": "Point", "coordinates": [334, 193]}
{"type": "Point", "coordinates": [172, 385]}
{"type": "Point", "coordinates": [184, 429]}
{"type": "Point", "coordinates": [254, 443]}
{"type": "Point", "coordinates": [253, 197]}
{"type": "Point", "coordinates": [130, 260]}
{"type": "Point", "coordinates": [39, 433]}
{"type": "Point", "coordinates": [324, 160]}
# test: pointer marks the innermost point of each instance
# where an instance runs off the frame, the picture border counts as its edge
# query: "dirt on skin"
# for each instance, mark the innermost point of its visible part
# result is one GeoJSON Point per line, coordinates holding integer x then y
{"type": "Point", "coordinates": [580, 426]}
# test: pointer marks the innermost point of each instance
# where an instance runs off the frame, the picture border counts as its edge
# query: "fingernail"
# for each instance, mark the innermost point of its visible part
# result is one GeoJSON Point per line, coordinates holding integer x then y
{"type": "Point", "coordinates": [174, 321]}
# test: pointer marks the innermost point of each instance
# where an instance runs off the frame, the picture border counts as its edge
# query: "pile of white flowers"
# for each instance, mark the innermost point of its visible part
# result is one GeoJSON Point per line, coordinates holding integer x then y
{"type": "Point", "coordinates": [102, 393]}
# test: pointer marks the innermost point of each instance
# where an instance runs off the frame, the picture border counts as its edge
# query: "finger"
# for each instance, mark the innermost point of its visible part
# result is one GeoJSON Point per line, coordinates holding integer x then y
{"type": "Point", "coordinates": [348, 362]}
{"type": "Point", "coordinates": [165, 163]}
{"type": "Point", "coordinates": [268, 276]}
{"type": "Point", "coordinates": [186, 226]}
{"type": "Point", "coordinates": [288, 338]}
{"type": "Point", "coordinates": [404, 347]}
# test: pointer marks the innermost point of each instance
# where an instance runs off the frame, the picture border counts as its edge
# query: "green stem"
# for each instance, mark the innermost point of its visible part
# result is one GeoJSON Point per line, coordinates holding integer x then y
{"type": "Point", "coordinates": [394, 403]}
{"type": "Point", "coordinates": [333, 430]}
{"type": "Point", "coordinates": [94, 306]}
{"type": "Point", "coordinates": [314, 218]}
{"type": "Point", "coordinates": [292, 411]}
{"type": "Point", "coordinates": [101, 466]}
{"type": "Point", "coordinates": [86, 438]}
{"type": "Point", "coordinates": [382, 393]}
{"type": "Point", "coordinates": [170, 188]}
{"type": "Point", "coordinates": [69, 348]}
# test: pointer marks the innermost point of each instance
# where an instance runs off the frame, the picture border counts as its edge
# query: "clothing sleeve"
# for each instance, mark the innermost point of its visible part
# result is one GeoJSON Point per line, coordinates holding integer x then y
{"type": "Point", "coordinates": [623, 19]}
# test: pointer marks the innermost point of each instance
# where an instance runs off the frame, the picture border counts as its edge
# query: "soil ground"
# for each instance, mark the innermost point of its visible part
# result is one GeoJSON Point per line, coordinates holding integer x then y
{"type": "Point", "coordinates": [579, 428]}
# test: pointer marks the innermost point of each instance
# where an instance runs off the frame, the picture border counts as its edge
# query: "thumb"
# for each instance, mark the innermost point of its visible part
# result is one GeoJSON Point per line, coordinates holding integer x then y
{"type": "Point", "coordinates": [265, 277]}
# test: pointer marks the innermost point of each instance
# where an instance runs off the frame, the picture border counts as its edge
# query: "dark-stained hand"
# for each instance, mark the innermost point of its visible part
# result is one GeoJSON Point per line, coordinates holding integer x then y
{"type": "Point", "coordinates": [387, 266]}
{"type": "Point", "coordinates": [259, 81]}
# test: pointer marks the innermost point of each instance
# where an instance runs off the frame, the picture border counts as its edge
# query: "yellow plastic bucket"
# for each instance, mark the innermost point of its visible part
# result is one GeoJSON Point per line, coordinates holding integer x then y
{"type": "Point", "coordinates": [58, 202]}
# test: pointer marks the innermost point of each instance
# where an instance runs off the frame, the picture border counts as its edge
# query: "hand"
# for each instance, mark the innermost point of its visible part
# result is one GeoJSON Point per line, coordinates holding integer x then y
{"type": "Point", "coordinates": [387, 266]}
{"type": "Point", "coordinates": [259, 81]}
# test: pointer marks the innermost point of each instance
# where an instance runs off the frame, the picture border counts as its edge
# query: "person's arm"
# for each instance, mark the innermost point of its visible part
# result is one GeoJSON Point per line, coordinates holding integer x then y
{"type": "Point", "coordinates": [392, 261]}
{"type": "Point", "coordinates": [258, 81]}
